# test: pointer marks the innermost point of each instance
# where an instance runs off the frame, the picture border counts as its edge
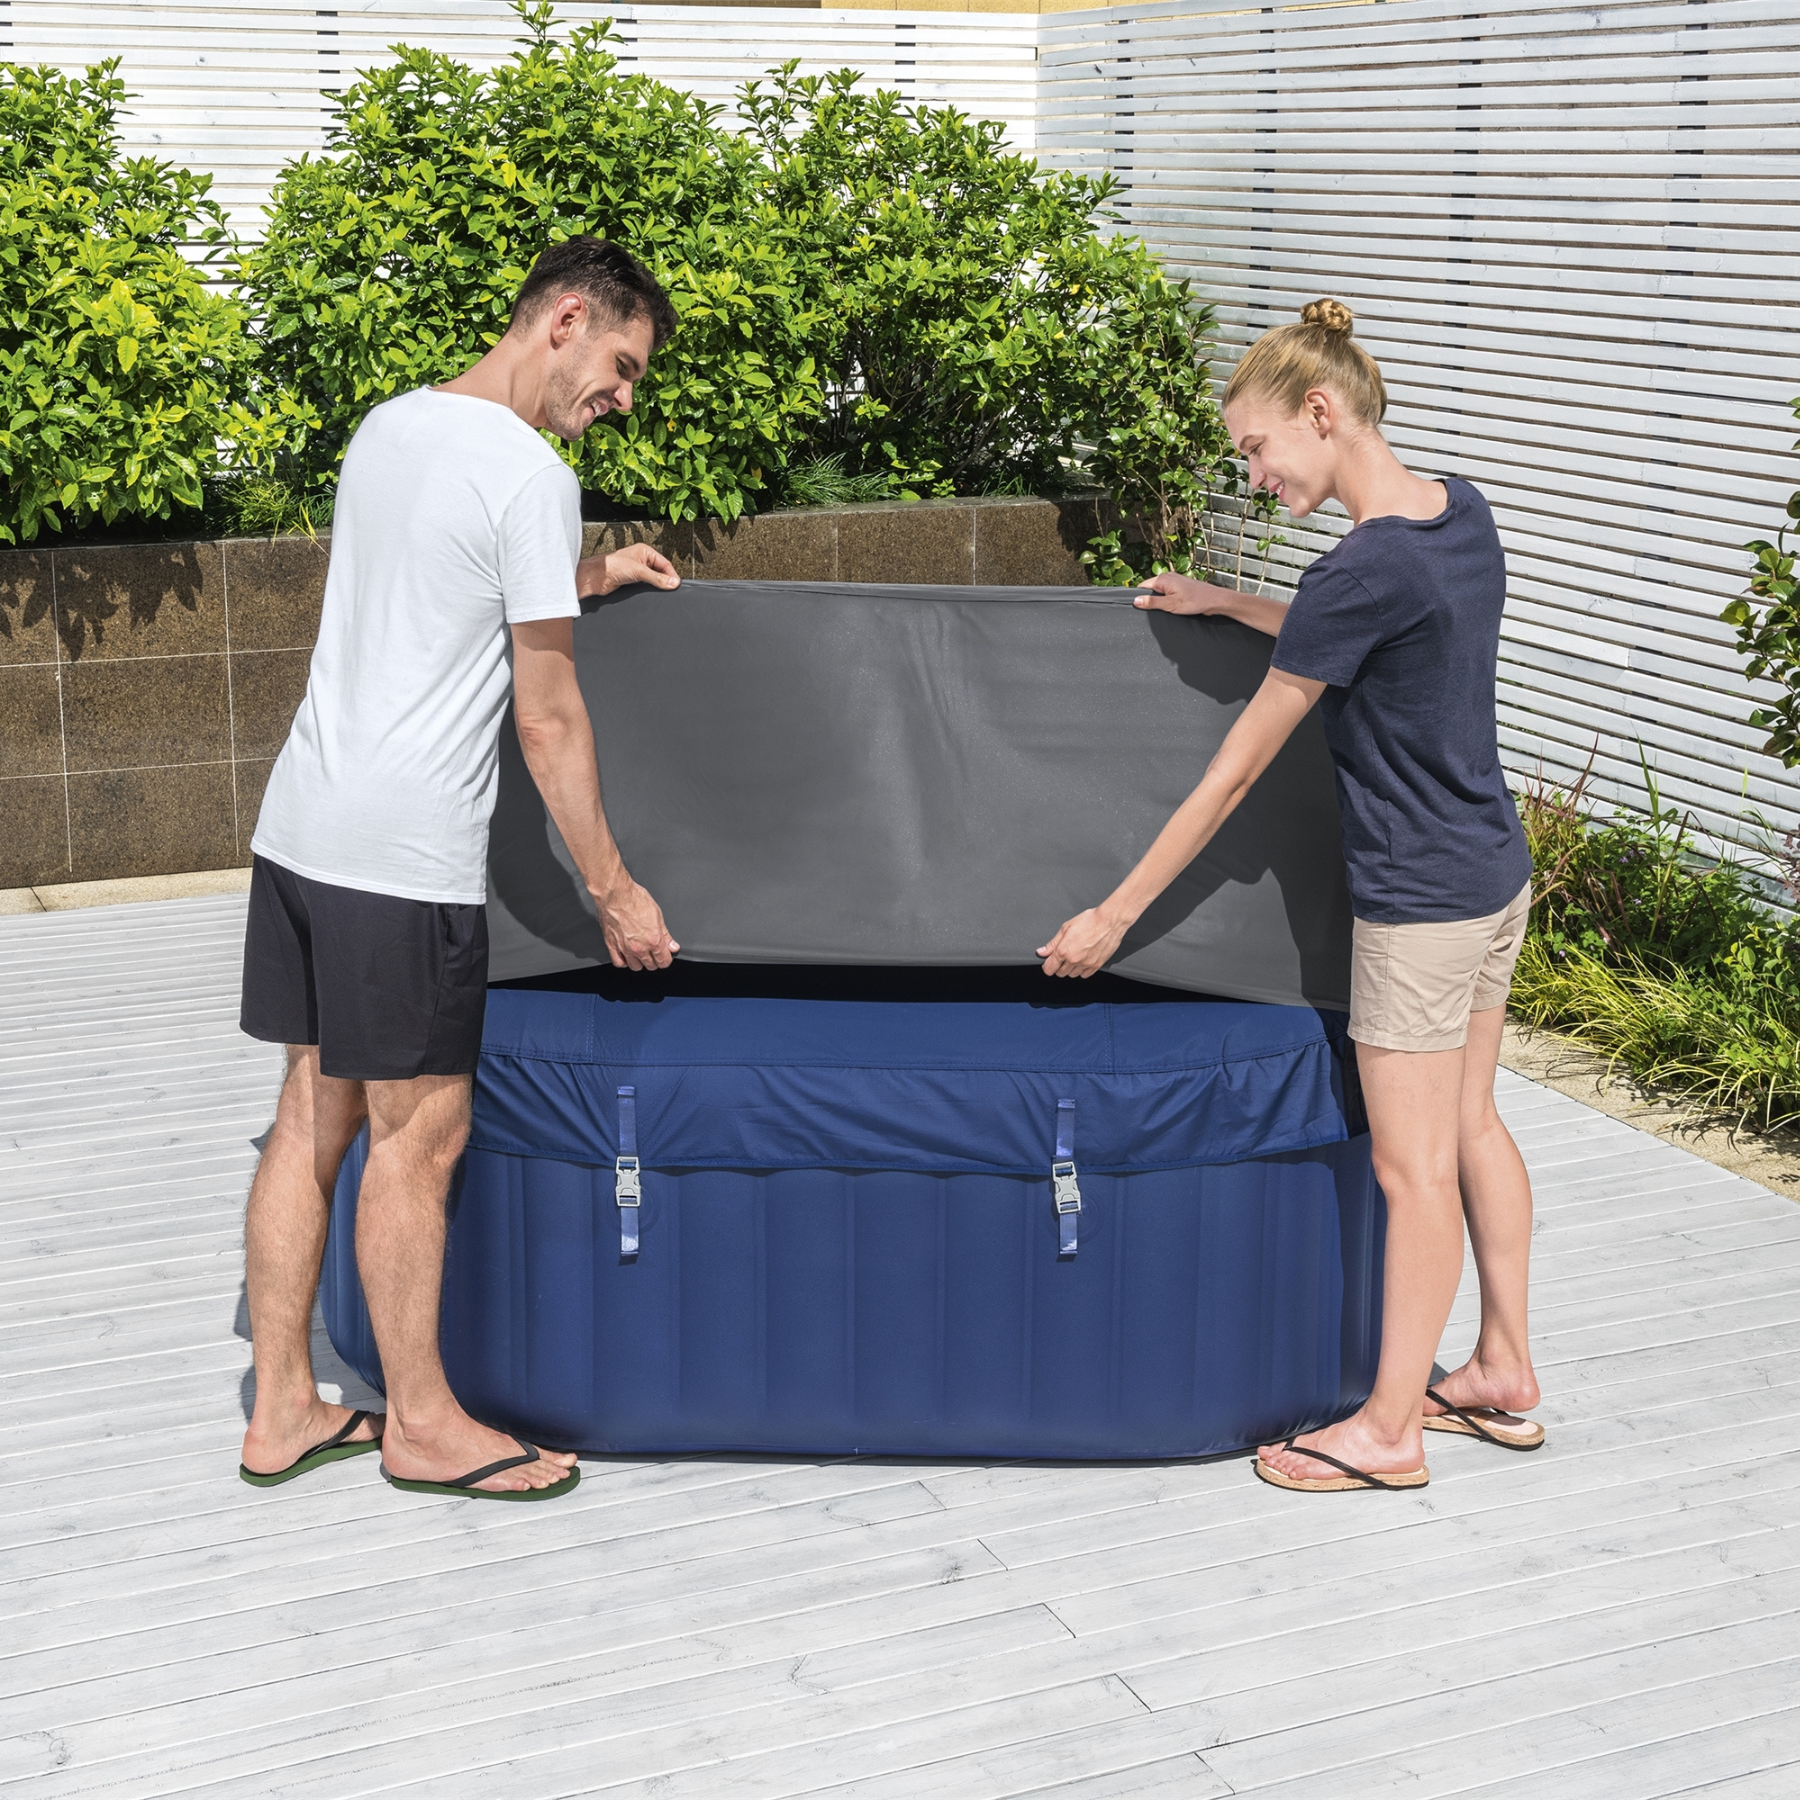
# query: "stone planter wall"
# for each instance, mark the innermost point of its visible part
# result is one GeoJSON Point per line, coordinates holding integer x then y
{"type": "Point", "coordinates": [146, 689]}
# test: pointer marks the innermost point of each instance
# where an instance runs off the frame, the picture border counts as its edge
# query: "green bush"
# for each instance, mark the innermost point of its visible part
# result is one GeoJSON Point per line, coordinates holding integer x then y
{"type": "Point", "coordinates": [1768, 633]}
{"type": "Point", "coordinates": [1666, 961]}
{"type": "Point", "coordinates": [874, 301]}
{"type": "Point", "coordinates": [977, 330]}
{"type": "Point", "coordinates": [391, 261]}
{"type": "Point", "coordinates": [124, 379]}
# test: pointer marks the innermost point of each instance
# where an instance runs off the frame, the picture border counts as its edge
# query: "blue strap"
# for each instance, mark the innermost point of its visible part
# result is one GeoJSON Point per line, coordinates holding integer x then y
{"type": "Point", "coordinates": [628, 1185]}
{"type": "Point", "coordinates": [1065, 1189]}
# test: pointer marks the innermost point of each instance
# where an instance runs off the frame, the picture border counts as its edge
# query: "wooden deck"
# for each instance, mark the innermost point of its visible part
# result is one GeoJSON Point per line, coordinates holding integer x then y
{"type": "Point", "coordinates": [1618, 1616]}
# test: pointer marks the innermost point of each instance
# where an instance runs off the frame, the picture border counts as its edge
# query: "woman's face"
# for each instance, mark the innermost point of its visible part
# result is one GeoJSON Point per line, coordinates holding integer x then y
{"type": "Point", "coordinates": [1294, 458]}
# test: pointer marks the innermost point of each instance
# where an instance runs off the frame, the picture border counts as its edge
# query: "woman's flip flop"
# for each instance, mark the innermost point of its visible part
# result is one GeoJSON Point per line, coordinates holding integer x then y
{"type": "Point", "coordinates": [1485, 1422]}
{"type": "Point", "coordinates": [334, 1449]}
{"type": "Point", "coordinates": [1344, 1483]}
{"type": "Point", "coordinates": [464, 1488]}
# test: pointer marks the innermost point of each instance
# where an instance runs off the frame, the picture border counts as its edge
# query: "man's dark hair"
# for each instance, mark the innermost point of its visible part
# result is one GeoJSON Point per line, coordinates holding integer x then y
{"type": "Point", "coordinates": [615, 285]}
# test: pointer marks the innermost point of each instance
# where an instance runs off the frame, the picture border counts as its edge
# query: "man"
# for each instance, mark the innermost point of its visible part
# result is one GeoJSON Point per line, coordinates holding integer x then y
{"type": "Point", "coordinates": [366, 952]}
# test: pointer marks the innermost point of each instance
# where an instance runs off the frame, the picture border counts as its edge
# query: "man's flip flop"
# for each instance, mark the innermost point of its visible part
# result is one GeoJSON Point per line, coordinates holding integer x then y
{"type": "Point", "coordinates": [1484, 1422]}
{"type": "Point", "coordinates": [334, 1449]}
{"type": "Point", "coordinates": [1346, 1482]}
{"type": "Point", "coordinates": [464, 1488]}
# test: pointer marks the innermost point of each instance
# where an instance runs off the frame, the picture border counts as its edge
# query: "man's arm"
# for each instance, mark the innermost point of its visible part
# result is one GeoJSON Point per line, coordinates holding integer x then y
{"type": "Point", "coordinates": [1086, 942]}
{"type": "Point", "coordinates": [1183, 594]}
{"type": "Point", "coordinates": [558, 741]}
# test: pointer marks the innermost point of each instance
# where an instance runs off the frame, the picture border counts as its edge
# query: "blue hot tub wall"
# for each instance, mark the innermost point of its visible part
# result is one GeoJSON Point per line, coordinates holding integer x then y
{"type": "Point", "coordinates": [793, 1295]}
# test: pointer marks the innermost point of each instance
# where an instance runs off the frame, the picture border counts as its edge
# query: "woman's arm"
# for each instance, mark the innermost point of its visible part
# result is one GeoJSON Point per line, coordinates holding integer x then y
{"type": "Point", "coordinates": [1183, 594]}
{"type": "Point", "coordinates": [1087, 941]}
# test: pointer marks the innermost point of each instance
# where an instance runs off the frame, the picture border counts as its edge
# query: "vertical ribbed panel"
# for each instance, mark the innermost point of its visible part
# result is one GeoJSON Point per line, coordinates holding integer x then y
{"type": "Point", "coordinates": [824, 1312]}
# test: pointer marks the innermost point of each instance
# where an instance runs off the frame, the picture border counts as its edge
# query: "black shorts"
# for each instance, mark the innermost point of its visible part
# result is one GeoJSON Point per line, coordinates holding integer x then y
{"type": "Point", "coordinates": [387, 988]}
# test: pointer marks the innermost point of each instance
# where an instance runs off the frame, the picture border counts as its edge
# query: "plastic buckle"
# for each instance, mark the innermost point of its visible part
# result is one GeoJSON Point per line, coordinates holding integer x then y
{"type": "Point", "coordinates": [628, 1191]}
{"type": "Point", "coordinates": [628, 1187]}
{"type": "Point", "coordinates": [1065, 1194]}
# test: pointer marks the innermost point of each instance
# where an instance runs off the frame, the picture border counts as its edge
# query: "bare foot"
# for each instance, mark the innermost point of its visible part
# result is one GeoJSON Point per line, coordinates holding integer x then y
{"type": "Point", "coordinates": [1478, 1389]}
{"type": "Point", "coordinates": [278, 1441]}
{"type": "Point", "coordinates": [450, 1446]}
{"type": "Point", "coordinates": [1350, 1441]}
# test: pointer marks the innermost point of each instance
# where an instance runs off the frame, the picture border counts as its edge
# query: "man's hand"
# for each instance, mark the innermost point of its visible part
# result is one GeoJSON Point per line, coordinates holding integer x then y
{"type": "Point", "coordinates": [1086, 943]}
{"type": "Point", "coordinates": [621, 568]}
{"type": "Point", "coordinates": [636, 937]}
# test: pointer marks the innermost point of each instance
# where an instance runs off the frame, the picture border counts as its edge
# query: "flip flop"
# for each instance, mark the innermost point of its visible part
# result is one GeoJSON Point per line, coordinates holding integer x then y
{"type": "Point", "coordinates": [464, 1488]}
{"type": "Point", "coordinates": [1484, 1422]}
{"type": "Point", "coordinates": [1347, 1482]}
{"type": "Point", "coordinates": [334, 1449]}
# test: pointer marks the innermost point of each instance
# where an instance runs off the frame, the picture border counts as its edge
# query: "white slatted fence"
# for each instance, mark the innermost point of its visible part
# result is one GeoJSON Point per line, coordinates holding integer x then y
{"type": "Point", "coordinates": [1569, 236]}
{"type": "Point", "coordinates": [239, 87]}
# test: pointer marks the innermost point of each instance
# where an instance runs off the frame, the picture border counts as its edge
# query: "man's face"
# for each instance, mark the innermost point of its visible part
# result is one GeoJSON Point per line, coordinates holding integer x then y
{"type": "Point", "coordinates": [596, 364]}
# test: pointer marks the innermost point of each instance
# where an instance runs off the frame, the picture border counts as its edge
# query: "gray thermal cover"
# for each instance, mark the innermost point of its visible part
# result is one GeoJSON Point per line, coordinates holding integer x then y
{"type": "Point", "coordinates": [814, 772]}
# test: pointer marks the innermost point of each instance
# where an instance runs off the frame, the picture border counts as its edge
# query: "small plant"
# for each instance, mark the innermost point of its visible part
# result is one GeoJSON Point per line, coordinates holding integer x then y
{"type": "Point", "coordinates": [1768, 633]}
{"type": "Point", "coordinates": [824, 481]}
{"type": "Point", "coordinates": [268, 506]}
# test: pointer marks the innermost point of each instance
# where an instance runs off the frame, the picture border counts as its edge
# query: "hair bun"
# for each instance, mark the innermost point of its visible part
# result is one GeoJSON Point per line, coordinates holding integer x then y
{"type": "Point", "coordinates": [1334, 315]}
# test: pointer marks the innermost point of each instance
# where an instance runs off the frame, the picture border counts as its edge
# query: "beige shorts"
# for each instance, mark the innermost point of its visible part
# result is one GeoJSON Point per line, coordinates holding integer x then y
{"type": "Point", "coordinates": [1412, 987]}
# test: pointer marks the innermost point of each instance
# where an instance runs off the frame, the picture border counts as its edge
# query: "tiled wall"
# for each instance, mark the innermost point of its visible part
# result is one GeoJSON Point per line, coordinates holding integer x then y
{"type": "Point", "coordinates": [145, 689]}
{"type": "Point", "coordinates": [144, 692]}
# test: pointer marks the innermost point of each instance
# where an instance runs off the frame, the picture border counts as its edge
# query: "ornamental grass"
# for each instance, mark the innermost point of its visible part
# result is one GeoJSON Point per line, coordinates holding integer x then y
{"type": "Point", "coordinates": [1669, 963]}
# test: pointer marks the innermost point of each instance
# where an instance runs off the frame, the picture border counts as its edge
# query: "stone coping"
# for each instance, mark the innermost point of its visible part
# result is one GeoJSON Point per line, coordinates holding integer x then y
{"type": "Point", "coordinates": [72, 896]}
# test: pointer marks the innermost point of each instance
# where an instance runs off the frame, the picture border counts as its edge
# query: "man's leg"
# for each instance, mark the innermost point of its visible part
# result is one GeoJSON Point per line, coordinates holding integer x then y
{"type": "Point", "coordinates": [1496, 1196]}
{"type": "Point", "coordinates": [284, 1242]}
{"type": "Point", "coordinates": [1414, 1101]}
{"type": "Point", "coordinates": [416, 1132]}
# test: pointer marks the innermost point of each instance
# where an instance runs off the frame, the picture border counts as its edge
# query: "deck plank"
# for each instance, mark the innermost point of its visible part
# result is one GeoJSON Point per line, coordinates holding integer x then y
{"type": "Point", "coordinates": [1614, 1616]}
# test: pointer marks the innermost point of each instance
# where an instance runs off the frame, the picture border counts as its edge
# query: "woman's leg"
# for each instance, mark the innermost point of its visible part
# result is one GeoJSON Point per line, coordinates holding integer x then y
{"type": "Point", "coordinates": [1496, 1198]}
{"type": "Point", "coordinates": [1415, 1101]}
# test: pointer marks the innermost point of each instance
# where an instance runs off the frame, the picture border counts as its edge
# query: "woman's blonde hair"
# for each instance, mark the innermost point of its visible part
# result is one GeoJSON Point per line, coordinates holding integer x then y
{"type": "Point", "coordinates": [1286, 364]}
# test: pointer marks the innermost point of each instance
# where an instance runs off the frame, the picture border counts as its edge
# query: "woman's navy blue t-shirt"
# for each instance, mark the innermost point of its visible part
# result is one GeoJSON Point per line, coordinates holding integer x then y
{"type": "Point", "coordinates": [1401, 621]}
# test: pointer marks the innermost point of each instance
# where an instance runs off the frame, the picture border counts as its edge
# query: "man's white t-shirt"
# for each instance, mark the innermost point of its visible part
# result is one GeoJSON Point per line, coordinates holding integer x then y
{"type": "Point", "coordinates": [454, 521]}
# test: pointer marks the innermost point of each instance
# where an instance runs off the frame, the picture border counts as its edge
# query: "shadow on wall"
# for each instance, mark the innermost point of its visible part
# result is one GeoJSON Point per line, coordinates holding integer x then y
{"type": "Point", "coordinates": [27, 596]}
{"type": "Point", "coordinates": [86, 605]}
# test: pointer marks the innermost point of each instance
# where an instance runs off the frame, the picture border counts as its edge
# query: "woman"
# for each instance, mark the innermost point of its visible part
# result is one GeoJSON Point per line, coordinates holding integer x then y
{"type": "Point", "coordinates": [1396, 630]}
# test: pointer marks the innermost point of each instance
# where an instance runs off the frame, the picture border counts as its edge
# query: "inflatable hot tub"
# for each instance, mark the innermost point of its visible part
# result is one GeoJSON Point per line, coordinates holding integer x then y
{"type": "Point", "coordinates": [839, 1211]}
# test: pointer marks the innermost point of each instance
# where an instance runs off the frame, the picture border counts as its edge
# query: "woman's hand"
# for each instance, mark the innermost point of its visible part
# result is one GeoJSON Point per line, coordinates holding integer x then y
{"type": "Point", "coordinates": [1183, 594]}
{"type": "Point", "coordinates": [1086, 943]}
